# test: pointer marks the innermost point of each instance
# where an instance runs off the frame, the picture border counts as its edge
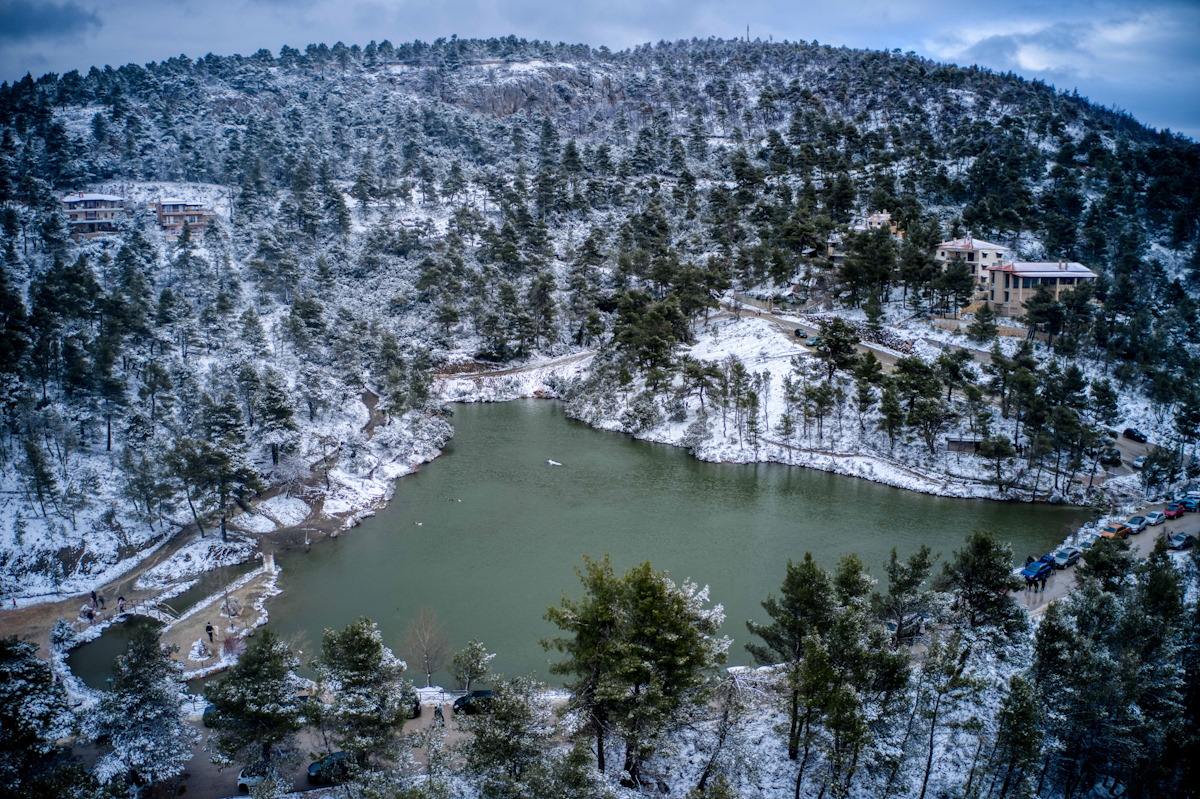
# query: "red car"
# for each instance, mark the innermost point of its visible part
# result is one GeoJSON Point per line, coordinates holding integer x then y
{"type": "Point", "coordinates": [1173, 511]}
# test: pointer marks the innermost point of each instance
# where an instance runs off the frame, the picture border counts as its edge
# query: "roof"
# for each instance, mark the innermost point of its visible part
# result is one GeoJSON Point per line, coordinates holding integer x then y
{"type": "Point", "coordinates": [970, 243]}
{"type": "Point", "coordinates": [75, 198]}
{"type": "Point", "coordinates": [177, 201]}
{"type": "Point", "coordinates": [1045, 269]}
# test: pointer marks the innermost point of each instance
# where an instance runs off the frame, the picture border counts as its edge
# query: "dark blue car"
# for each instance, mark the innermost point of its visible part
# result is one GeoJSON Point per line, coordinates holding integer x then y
{"type": "Point", "coordinates": [1042, 567]}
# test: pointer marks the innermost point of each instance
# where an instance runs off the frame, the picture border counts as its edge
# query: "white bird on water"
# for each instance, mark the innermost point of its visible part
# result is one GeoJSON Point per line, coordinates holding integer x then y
{"type": "Point", "coordinates": [553, 463]}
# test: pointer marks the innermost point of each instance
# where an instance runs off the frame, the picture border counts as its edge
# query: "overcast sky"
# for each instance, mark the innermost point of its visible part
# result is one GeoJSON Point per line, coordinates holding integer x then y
{"type": "Point", "coordinates": [1141, 57]}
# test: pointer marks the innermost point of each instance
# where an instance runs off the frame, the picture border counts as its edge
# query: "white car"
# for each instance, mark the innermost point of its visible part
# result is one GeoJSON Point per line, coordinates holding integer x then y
{"type": "Point", "coordinates": [251, 776]}
{"type": "Point", "coordinates": [1138, 462]}
{"type": "Point", "coordinates": [1137, 524]}
{"type": "Point", "coordinates": [1155, 517]}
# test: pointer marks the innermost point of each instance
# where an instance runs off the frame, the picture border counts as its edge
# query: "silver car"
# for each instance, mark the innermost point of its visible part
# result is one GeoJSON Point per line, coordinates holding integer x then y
{"type": "Point", "coordinates": [1067, 556]}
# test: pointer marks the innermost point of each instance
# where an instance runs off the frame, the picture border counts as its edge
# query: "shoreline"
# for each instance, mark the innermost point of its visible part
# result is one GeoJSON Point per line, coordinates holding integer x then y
{"type": "Point", "coordinates": [358, 494]}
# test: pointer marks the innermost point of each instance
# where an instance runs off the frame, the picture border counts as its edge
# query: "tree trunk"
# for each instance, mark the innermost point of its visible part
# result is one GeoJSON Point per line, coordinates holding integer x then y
{"type": "Point", "coordinates": [929, 755]}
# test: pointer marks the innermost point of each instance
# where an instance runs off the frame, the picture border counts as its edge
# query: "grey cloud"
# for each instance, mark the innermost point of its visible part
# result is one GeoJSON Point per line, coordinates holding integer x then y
{"type": "Point", "coordinates": [22, 20]}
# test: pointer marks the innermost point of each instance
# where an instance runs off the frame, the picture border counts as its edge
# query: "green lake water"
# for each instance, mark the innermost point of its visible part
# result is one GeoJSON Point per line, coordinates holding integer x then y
{"type": "Point", "coordinates": [488, 535]}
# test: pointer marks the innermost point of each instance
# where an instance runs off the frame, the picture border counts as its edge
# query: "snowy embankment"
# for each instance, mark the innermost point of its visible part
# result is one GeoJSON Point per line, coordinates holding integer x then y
{"type": "Point", "coordinates": [537, 380]}
{"type": "Point", "coordinates": [844, 448]}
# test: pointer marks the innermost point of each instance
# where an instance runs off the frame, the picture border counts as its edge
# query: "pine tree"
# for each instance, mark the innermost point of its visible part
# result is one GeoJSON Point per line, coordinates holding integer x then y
{"type": "Point", "coordinates": [470, 664]}
{"type": "Point", "coordinates": [804, 607]}
{"type": "Point", "coordinates": [275, 414]}
{"type": "Point", "coordinates": [34, 717]}
{"type": "Point", "coordinates": [640, 649]}
{"type": "Point", "coordinates": [983, 327]}
{"type": "Point", "coordinates": [370, 698]}
{"type": "Point", "coordinates": [508, 745]}
{"type": "Point", "coordinates": [141, 722]}
{"type": "Point", "coordinates": [258, 711]}
{"type": "Point", "coordinates": [981, 576]}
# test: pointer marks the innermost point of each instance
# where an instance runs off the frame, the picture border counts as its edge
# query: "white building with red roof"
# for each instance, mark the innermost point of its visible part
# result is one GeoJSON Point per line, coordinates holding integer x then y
{"type": "Point", "coordinates": [90, 215]}
{"type": "Point", "coordinates": [976, 253]}
{"type": "Point", "coordinates": [1011, 284]}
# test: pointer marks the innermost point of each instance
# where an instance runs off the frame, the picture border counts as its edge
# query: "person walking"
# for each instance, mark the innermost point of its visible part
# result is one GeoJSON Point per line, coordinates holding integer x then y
{"type": "Point", "coordinates": [438, 718]}
{"type": "Point", "coordinates": [121, 604]}
{"type": "Point", "coordinates": [208, 628]}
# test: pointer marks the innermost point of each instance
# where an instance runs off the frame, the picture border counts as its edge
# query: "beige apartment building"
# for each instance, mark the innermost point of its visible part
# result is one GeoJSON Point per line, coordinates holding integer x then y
{"type": "Point", "coordinates": [1010, 285]}
{"type": "Point", "coordinates": [91, 215]}
{"type": "Point", "coordinates": [980, 255]}
{"type": "Point", "coordinates": [174, 213]}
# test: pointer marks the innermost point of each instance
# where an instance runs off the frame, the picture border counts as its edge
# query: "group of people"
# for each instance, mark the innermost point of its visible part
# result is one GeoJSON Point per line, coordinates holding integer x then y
{"type": "Point", "coordinates": [1036, 583]}
{"type": "Point", "coordinates": [96, 607]}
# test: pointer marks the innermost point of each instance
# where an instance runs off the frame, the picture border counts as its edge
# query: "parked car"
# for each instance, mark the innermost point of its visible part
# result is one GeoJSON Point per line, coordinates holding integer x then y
{"type": "Point", "coordinates": [1182, 541]}
{"type": "Point", "coordinates": [1111, 458]}
{"type": "Point", "coordinates": [1139, 462]}
{"type": "Point", "coordinates": [798, 333]}
{"type": "Point", "coordinates": [1042, 567]}
{"type": "Point", "coordinates": [1108, 431]}
{"type": "Point", "coordinates": [332, 770]}
{"type": "Point", "coordinates": [474, 702]}
{"type": "Point", "coordinates": [1067, 556]}
{"type": "Point", "coordinates": [1114, 530]}
{"type": "Point", "coordinates": [1088, 541]}
{"type": "Point", "coordinates": [1190, 504]}
{"type": "Point", "coordinates": [251, 776]}
{"type": "Point", "coordinates": [210, 716]}
{"type": "Point", "coordinates": [1155, 517]}
{"type": "Point", "coordinates": [913, 628]}
{"type": "Point", "coordinates": [814, 342]}
{"type": "Point", "coordinates": [1136, 524]}
{"type": "Point", "coordinates": [1173, 511]}
{"type": "Point", "coordinates": [1134, 434]}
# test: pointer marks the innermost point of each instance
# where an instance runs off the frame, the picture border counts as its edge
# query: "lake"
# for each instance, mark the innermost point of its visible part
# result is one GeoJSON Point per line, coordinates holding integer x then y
{"type": "Point", "coordinates": [488, 535]}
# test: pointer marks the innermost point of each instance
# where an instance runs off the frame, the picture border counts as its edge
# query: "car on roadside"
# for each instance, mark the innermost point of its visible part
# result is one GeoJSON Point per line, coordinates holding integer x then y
{"type": "Point", "coordinates": [1111, 458]}
{"type": "Point", "coordinates": [814, 343]}
{"type": "Point", "coordinates": [1133, 434]}
{"type": "Point", "coordinates": [1190, 504]}
{"type": "Point", "coordinates": [210, 717]}
{"type": "Point", "coordinates": [1136, 524]}
{"type": "Point", "coordinates": [474, 702]}
{"type": "Point", "coordinates": [1067, 556]}
{"type": "Point", "coordinates": [1155, 517]}
{"type": "Point", "coordinates": [331, 770]}
{"type": "Point", "coordinates": [798, 333]}
{"type": "Point", "coordinates": [1088, 541]}
{"type": "Point", "coordinates": [913, 628]}
{"type": "Point", "coordinates": [1182, 541]}
{"type": "Point", "coordinates": [1114, 530]}
{"type": "Point", "coordinates": [251, 776]}
{"type": "Point", "coordinates": [1139, 462]}
{"type": "Point", "coordinates": [1173, 511]}
{"type": "Point", "coordinates": [1042, 567]}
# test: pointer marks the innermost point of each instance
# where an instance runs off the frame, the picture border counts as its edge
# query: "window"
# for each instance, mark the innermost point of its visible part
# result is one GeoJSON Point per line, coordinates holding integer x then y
{"type": "Point", "coordinates": [1006, 297]}
{"type": "Point", "coordinates": [971, 256]}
